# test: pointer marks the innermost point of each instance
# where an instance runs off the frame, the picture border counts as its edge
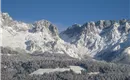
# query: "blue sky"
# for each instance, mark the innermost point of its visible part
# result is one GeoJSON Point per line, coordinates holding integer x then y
{"type": "Point", "coordinates": [64, 13]}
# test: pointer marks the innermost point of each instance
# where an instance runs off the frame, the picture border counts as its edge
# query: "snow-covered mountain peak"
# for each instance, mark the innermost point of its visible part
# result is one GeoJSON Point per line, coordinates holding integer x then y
{"type": "Point", "coordinates": [8, 23]}
{"type": "Point", "coordinates": [42, 23]}
{"type": "Point", "coordinates": [39, 36]}
{"type": "Point", "coordinates": [6, 16]}
{"type": "Point", "coordinates": [95, 39]}
{"type": "Point", "coordinates": [98, 37]}
{"type": "Point", "coordinates": [75, 25]}
{"type": "Point", "coordinates": [45, 27]}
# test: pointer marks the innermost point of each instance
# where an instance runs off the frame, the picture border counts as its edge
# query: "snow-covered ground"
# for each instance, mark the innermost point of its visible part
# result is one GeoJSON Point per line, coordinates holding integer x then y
{"type": "Point", "coordinates": [127, 51]}
{"type": "Point", "coordinates": [76, 69]}
{"type": "Point", "coordinates": [7, 54]}
{"type": "Point", "coordinates": [93, 73]}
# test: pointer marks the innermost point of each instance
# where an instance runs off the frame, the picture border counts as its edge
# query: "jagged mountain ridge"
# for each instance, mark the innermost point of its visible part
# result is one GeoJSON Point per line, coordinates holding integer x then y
{"type": "Point", "coordinates": [39, 36]}
{"type": "Point", "coordinates": [100, 38]}
{"type": "Point", "coordinates": [95, 39]}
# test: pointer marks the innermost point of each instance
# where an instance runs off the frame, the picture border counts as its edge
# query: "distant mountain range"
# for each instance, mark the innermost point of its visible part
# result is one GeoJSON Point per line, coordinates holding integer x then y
{"type": "Point", "coordinates": [105, 39]}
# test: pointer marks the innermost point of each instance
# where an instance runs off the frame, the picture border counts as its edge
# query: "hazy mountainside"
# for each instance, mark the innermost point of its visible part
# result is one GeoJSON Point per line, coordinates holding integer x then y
{"type": "Point", "coordinates": [104, 39]}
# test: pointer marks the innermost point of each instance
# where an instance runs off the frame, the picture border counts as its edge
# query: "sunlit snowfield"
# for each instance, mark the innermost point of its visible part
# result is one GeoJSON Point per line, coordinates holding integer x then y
{"type": "Point", "coordinates": [76, 69]}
